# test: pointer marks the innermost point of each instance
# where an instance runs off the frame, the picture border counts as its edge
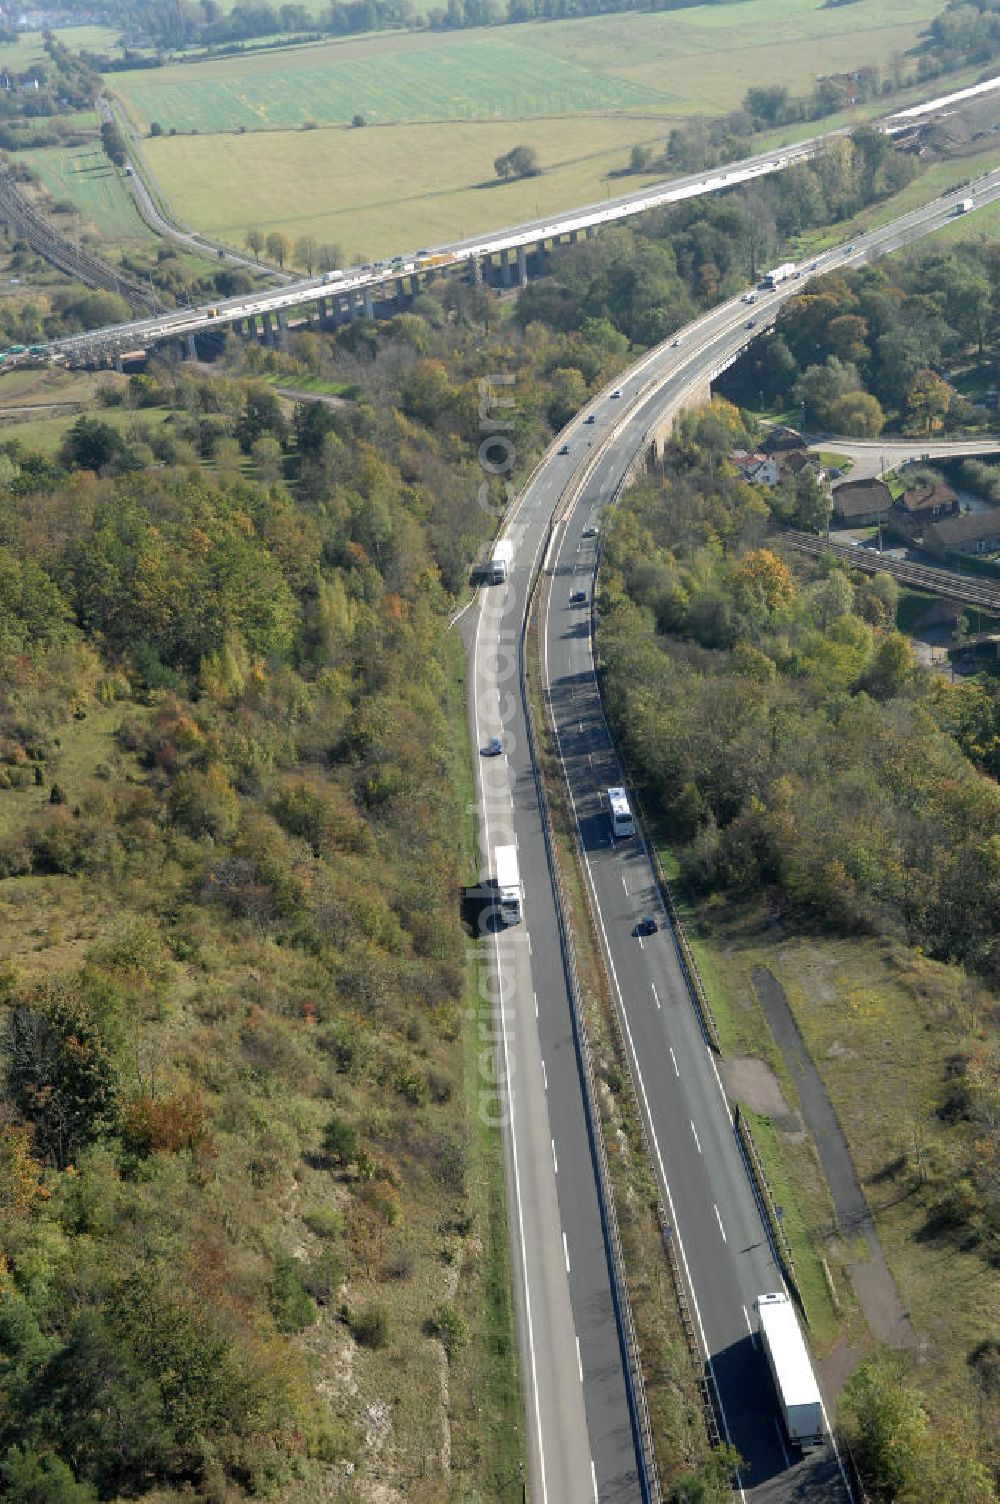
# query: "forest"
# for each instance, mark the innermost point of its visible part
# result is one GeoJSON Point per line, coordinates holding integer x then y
{"type": "Point", "coordinates": [238, 1181]}
{"type": "Point", "coordinates": [857, 352]}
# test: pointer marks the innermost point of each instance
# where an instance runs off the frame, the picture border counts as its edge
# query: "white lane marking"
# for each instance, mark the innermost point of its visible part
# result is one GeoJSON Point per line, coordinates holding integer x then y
{"type": "Point", "coordinates": [535, 996]}
{"type": "Point", "coordinates": [527, 932]}
{"type": "Point", "coordinates": [545, 1076]}
{"type": "Point", "coordinates": [566, 1252]}
{"type": "Point", "coordinates": [698, 1147]}
{"type": "Point", "coordinates": [580, 724]}
{"type": "Point", "coordinates": [753, 1334]}
{"type": "Point", "coordinates": [579, 1360]}
{"type": "Point", "coordinates": [719, 1220]}
{"type": "Point", "coordinates": [625, 885]}
{"type": "Point", "coordinates": [657, 997]}
{"type": "Point", "coordinates": [673, 1057]}
{"type": "Point", "coordinates": [593, 1475]}
{"type": "Point", "coordinates": [641, 946]}
{"type": "Point", "coordinates": [555, 1162]}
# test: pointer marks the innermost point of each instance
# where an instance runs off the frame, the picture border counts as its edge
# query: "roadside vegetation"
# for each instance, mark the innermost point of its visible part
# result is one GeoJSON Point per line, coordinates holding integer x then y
{"type": "Point", "coordinates": [808, 778]}
{"type": "Point", "coordinates": [252, 1226]}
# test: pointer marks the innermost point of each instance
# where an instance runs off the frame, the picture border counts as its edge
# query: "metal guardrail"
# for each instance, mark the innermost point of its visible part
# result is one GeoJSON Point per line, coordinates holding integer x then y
{"type": "Point", "coordinates": [709, 1400]}
{"type": "Point", "coordinates": [634, 1384]}
{"type": "Point", "coordinates": [779, 1238]}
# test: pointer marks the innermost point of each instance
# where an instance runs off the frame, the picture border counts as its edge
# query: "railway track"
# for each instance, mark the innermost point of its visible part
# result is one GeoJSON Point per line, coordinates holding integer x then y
{"type": "Point", "coordinates": [25, 220]}
{"type": "Point", "coordinates": [944, 582]}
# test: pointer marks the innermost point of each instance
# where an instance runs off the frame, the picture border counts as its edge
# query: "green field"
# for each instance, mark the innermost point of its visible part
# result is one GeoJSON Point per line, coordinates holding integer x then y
{"type": "Point", "coordinates": [28, 48]}
{"type": "Point", "coordinates": [419, 79]}
{"type": "Point", "coordinates": [84, 175]}
{"type": "Point", "coordinates": [678, 62]}
{"type": "Point", "coordinates": [321, 182]}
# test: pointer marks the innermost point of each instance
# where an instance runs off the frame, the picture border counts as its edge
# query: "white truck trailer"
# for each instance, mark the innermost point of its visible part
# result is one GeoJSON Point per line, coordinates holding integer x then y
{"type": "Point", "coordinates": [508, 882]}
{"type": "Point", "coordinates": [963, 206]}
{"type": "Point", "coordinates": [500, 561]}
{"type": "Point", "coordinates": [779, 274]}
{"type": "Point", "coordinates": [791, 1370]}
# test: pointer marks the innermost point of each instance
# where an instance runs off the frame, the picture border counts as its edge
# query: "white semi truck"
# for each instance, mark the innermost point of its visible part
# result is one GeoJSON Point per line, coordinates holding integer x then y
{"type": "Point", "coordinates": [508, 883]}
{"type": "Point", "coordinates": [963, 206]}
{"type": "Point", "coordinates": [500, 561]}
{"type": "Point", "coordinates": [773, 279]}
{"type": "Point", "coordinates": [791, 1370]}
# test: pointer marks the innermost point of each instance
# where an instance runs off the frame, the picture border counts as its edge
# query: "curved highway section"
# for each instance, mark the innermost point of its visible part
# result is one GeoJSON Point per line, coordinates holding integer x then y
{"type": "Point", "coordinates": [581, 1444]}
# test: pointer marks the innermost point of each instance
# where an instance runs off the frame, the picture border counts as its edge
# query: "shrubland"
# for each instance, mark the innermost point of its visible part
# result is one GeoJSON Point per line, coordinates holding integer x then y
{"type": "Point", "coordinates": [251, 1228]}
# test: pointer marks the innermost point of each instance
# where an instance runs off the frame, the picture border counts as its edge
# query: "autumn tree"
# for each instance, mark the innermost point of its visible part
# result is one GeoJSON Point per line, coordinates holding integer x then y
{"type": "Point", "coordinates": [279, 247]}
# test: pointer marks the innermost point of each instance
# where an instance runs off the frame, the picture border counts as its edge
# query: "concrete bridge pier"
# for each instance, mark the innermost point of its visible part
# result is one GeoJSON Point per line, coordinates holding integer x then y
{"type": "Point", "coordinates": [119, 367]}
{"type": "Point", "coordinates": [281, 319]}
{"type": "Point", "coordinates": [369, 303]}
{"type": "Point", "coordinates": [192, 348]}
{"type": "Point", "coordinates": [590, 231]}
{"type": "Point", "coordinates": [505, 277]}
{"type": "Point", "coordinates": [522, 267]}
{"type": "Point", "coordinates": [476, 268]}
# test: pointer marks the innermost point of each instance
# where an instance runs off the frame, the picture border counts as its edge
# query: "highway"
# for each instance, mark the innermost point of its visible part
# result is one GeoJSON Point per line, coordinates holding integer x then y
{"type": "Point", "coordinates": [578, 1422]}
{"type": "Point", "coordinates": [355, 282]}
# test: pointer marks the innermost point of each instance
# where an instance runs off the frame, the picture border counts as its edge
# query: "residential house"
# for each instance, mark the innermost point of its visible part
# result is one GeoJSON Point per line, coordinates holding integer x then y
{"type": "Point", "coordinates": [925, 504]}
{"type": "Point", "coordinates": [781, 437]}
{"type": "Point", "coordinates": [758, 469]}
{"type": "Point", "coordinates": [858, 503]}
{"type": "Point", "coordinates": [969, 533]}
{"type": "Point", "coordinates": [795, 461]}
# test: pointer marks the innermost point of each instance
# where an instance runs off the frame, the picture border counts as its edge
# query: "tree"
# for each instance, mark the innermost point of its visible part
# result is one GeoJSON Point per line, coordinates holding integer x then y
{"type": "Point", "coordinates": [61, 1070]}
{"type": "Point", "coordinates": [41, 1478]}
{"type": "Point", "coordinates": [90, 444]}
{"type": "Point", "coordinates": [328, 258]}
{"type": "Point", "coordinates": [254, 242]}
{"type": "Point", "coordinates": [890, 1424]}
{"type": "Point", "coordinates": [155, 128]}
{"type": "Point", "coordinates": [928, 399]}
{"type": "Point", "coordinates": [340, 1141]}
{"type": "Point", "coordinates": [267, 455]}
{"type": "Point", "coordinates": [279, 247]}
{"type": "Point", "coordinates": [306, 251]}
{"type": "Point", "coordinates": [519, 162]}
{"type": "Point", "coordinates": [856, 413]}
{"type": "Point", "coordinates": [639, 159]}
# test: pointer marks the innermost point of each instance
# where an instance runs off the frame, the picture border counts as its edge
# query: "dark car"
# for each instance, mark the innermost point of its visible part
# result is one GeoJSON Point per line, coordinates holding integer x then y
{"type": "Point", "coordinates": [493, 747]}
{"type": "Point", "coordinates": [590, 418]}
{"type": "Point", "coordinates": [590, 532]}
{"type": "Point", "coordinates": [751, 323]}
{"type": "Point", "coordinates": [578, 598]}
{"type": "Point", "coordinates": [564, 449]}
{"type": "Point", "coordinates": [647, 925]}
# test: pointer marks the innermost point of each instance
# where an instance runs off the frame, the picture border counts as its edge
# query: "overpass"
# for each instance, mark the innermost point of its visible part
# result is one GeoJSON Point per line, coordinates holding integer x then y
{"type": "Point", "coordinates": [500, 257]}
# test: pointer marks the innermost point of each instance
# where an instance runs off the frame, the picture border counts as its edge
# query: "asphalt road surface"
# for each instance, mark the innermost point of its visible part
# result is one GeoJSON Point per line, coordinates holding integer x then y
{"type": "Point", "coordinates": [580, 1438]}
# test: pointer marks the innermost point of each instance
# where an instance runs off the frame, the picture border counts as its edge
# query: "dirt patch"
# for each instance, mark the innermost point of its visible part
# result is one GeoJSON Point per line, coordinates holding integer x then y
{"type": "Point", "coordinates": [753, 1083]}
{"type": "Point", "coordinates": [872, 1279]}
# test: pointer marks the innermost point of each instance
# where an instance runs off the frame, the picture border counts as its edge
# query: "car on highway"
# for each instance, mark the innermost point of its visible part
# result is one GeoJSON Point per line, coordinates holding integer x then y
{"type": "Point", "coordinates": [564, 449]}
{"type": "Point", "coordinates": [848, 251]}
{"type": "Point", "coordinates": [646, 926]}
{"type": "Point", "coordinates": [617, 392]}
{"type": "Point", "coordinates": [590, 418]}
{"type": "Point", "coordinates": [749, 297]}
{"type": "Point", "coordinates": [493, 747]}
{"type": "Point", "coordinates": [675, 342]}
{"type": "Point", "coordinates": [578, 598]}
{"type": "Point", "coordinates": [751, 323]}
{"type": "Point", "coordinates": [589, 532]}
